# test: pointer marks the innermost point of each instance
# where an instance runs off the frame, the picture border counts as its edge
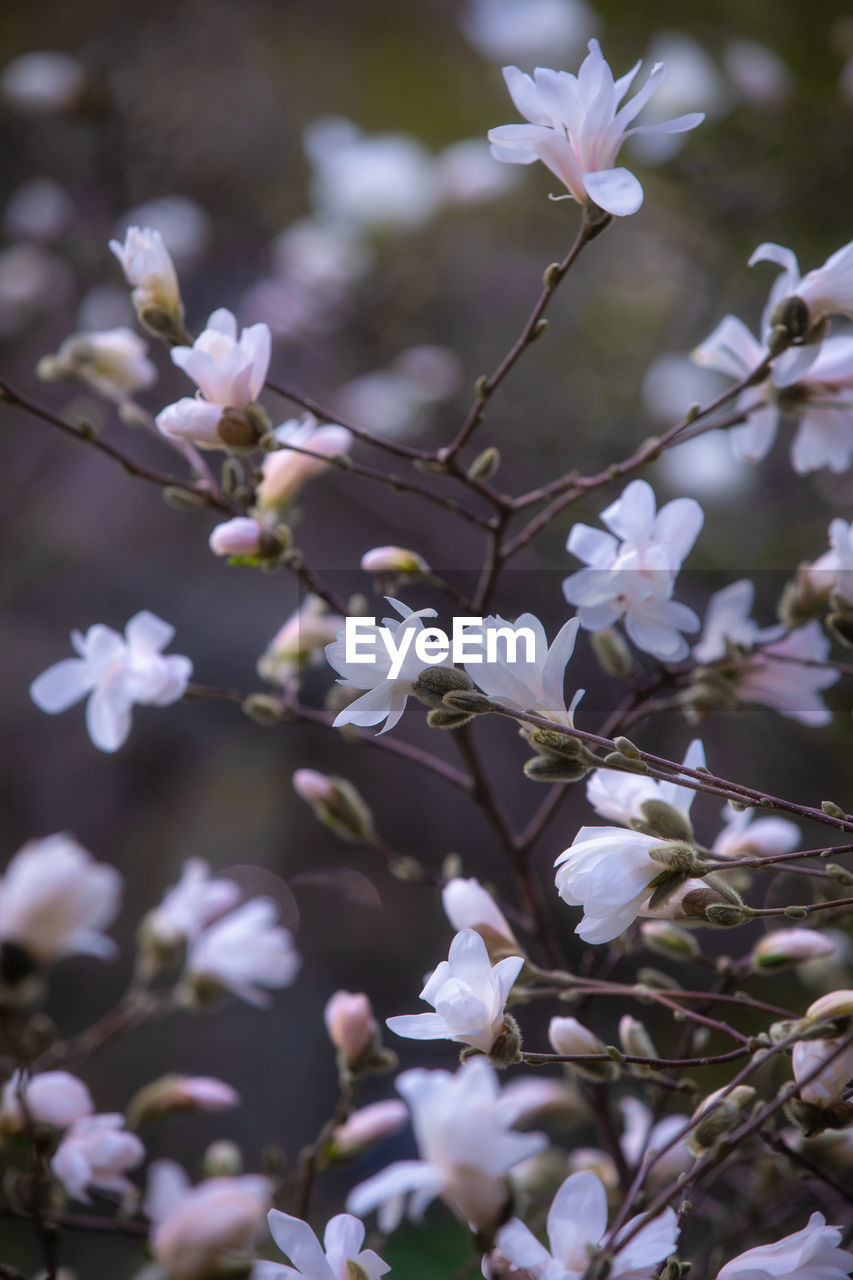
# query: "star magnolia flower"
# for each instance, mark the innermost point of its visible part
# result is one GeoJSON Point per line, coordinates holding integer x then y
{"type": "Point", "coordinates": [53, 1097]}
{"type": "Point", "coordinates": [609, 873]}
{"type": "Point", "coordinates": [465, 1145]}
{"type": "Point", "coordinates": [195, 901]}
{"type": "Point", "coordinates": [114, 362]}
{"type": "Point", "coordinates": [727, 622]}
{"type": "Point", "coordinates": [577, 128]}
{"type": "Point", "coordinates": [775, 678]}
{"type": "Point", "coordinates": [826, 291]}
{"type": "Point", "coordinates": [631, 570]}
{"type": "Point", "coordinates": [468, 996]}
{"type": "Point", "coordinates": [299, 642]}
{"type": "Point", "coordinates": [530, 29]}
{"type": "Point", "coordinates": [745, 836]}
{"type": "Point", "coordinates": [342, 1241]}
{"type": "Point", "coordinates": [523, 683]}
{"type": "Point", "coordinates": [818, 396]}
{"type": "Point", "coordinates": [810, 1254]}
{"type": "Point", "coordinates": [385, 698]}
{"type": "Point", "coordinates": [641, 1137]}
{"type": "Point", "coordinates": [620, 796]}
{"type": "Point", "coordinates": [115, 673]}
{"type": "Point", "coordinates": [55, 901]}
{"type": "Point", "coordinates": [832, 573]}
{"type": "Point", "coordinates": [228, 372]}
{"type": "Point", "coordinates": [467, 905]}
{"type": "Point", "coordinates": [828, 1087]}
{"type": "Point", "coordinates": [196, 1231]}
{"type": "Point", "coordinates": [244, 952]}
{"type": "Point", "coordinates": [577, 1221]}
{"type": "Point", "coordinates": [286, 470]}
{"type": "Point", "coordinates": [96, 1153]}
{"type": "Point", "coordinates": [147, 265]}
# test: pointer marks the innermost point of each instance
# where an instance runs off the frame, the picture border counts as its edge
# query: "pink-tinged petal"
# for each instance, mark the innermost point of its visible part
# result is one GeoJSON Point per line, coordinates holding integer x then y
{"type": "Point", "coordinates": [167, 1184]}
{"type": "Point", "coordinates": [260, 1271]}
{"type": "Point", "coordinates": [343, 1237]}
{"type": "Point", "coordinates": [652, 1243]}
{"type": "Point", "coordinates": [632, 109]}
{"type": "Point", "coordinates": [520, 1246]}
{"type": "Point", "coordinates": [299, 1243]}
{"type": "Point", "coordinates": [397, 1180]}
{"type": "Point", "coordinates": [524, 94]}
{"type": "Point", "coordinates": [257, 342]}
{"type": "Point", "coordinates": [222, 321]}
{"type": "Point", "coordinates": [578, 1215]}
{"type": "Point", "coordinates": [108, 719]}
{"type": "Point", "coordinates": [616, 191]}
{"type": "Point", "coordinates": [61, 685]}
{"type": "Point", "coordinates": [149, 631]}
{"type": "Point", "coordinates": [679, 124]}
{"type": "Point", "coordinates": [514, 143]}
{"type": "Point", "coordinates": [419, 1026]}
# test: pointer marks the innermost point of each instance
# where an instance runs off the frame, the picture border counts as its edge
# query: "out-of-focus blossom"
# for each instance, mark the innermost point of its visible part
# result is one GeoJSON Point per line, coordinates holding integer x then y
{"type": "Point", "coordinates": [55, 901]}
{"type": "Point", "coordinates": [54, 1098]}
{"type": "Point", "coordinates": [148, 266]}
{"type": "Point", "coordinates": [776, 678]}
{"type": "Point", "coordinates": [791, 946]}
{"type": "Point", "coordinates": [833, 571]}
{"type": "Point", "coordinates": [385, 695]}
{"type": "Point", "coordinates": [527, 29]}
{"type": "Point", "coordinates": [320, 255]}
{"type": "Point", "coordinates": [631, 571]}
{"type": "Point", "coordinates": [114, 363]}
{"type": "Point", "coordinates": [465, 1144]}
{"type": "Point", "coordinates": [608, 872]}
{"type": "Point", "coordinates": [39, 209]}
{"type": "Point", "coordinates": [810, 1254]}
{"type": "Point", "coordinates": [532, 1097]}
{"type": "Point", "coordinates": [95, 1154]}
{"type": "Point", "coordinates": [175, 1094]}
{"type": "Point", "coordinates": [692, 80]}
{"type": "Point", "coordinates": [43, 82]}
{"type": "Point", "coordinates": [620, 797]}
{"type": "Point", "coordinates": [190, 905]}
{"type": "Point", "coordinates": [240, 536]}
{"type": "Point", "coordinates": [196, 1231]}
{"type": "Point", "coordinates": [727, 622]}
{"type": "Point", "coordinates": [339, 1257]}
{"type": "Point", "coordinates": [395, 401]}
{"type": "Point", "coordinates": [337, 804]}
{"type": "Point", "coordinates": [244, 952]}
{"type": "Point", "coordinates": [827, 1087]}
{"type": "Point", "coordinates": [577, 128]}
{"type": "Point", "coordinates": [642, 1137]}
{"type": "Point", "coordinates": [299, 642]}
{"type": "Point", "coordinates": [746, 836]}
{"type": "Point", "coordinates": [350, 1023]}
{"type": "Point", "coordinates": [115, 673]}
{"type": "Point", "coordinates": [757, 72]}
{"type": "Point", "coordinates": [467, 905]}
{"type": "Point", "coordinates": [468, 995]}
{"type": "Point", "coordinates": [577, 1223]}
{"type": "Point", "coordinates": [31, 280]}
{"type": "Point", "coordinates": [368, 1126]}
{"type": "Point", "coordinates": [826, 291]}
{"type": "Point", "coordinates": [375, 181]}
{"type": "Point", "coordinates": [104, 306]}
{"type": "Point", "coordinates": [229, 373]}
{"type": "Point", "coordinates": [467, 174]}
{"type": "Point", "coordinates": [523, 681]}
{"type": "Point", "coordinates": [393, 560]}
{"type": "Point", "coordinates": [182, 224]}
{"type": "Point", "coordinates": [286, 470]}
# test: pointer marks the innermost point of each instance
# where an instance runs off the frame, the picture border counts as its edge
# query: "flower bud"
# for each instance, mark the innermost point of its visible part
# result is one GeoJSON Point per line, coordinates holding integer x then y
{"type": "Point", "coordinates": [351, 1025]}
{"type": "Point", "coordinates": [175, 1094]}
{"type": "Point", "coordinates": [434, 682]}
{"type": "Point", "coordinates": [366, 1127]}
{"type": "Point", "coordinates": [445, 718]}
{"type": "Point", "coordinates": [243, 538]}
{"type": "Point", "coordinates": [222, 1159]}
{"type": "Point", "coordinates": [568, 1037]}
{"type": "Point", "coordinates": [678, 855]}
{"type": "Point", "coordinates": [336, 803]}
{"type": "Point", "coordinates": [611, 650]}
{"type": "Point", "coordinates": [485, 464]}
{"type": "Point", "coordinates": [635, 1039]}
{"type": "Point", "coordinates": [394, 560]}
{"type": "Point", "coordinates": [552, 769]}
{"type": "Point", "coordinates": [723, 1116]}
{"type": "Point", "coordinates": [662, 819]}
{"type": "Point", "coordinates": [790, 946]}
{"type": "Point", "coordinates": [667, 939]}
{"type": "Point", "coordinates": [835, 1004]}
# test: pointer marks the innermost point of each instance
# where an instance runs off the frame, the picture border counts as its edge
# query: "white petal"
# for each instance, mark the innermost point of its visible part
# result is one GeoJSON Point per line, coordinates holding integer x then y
{"type": "Point", "coordinates": [61, 685]}
{"type": "Point", "coordinates": [615, 190]}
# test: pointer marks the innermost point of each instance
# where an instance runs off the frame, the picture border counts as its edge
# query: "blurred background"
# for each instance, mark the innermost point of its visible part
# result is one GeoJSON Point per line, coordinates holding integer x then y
{"type": "Point", "coordinates": [321, 166]}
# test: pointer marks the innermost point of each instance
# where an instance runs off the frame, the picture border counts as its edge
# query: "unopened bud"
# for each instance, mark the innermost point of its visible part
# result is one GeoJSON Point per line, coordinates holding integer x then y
{"type": "Point", "coordinates": [244, 539]}
{"type": "Point", "coordinates": [569, 1037]}
{"type": "Point", "coordinates": [434, 682]}
{"type": "Point", "coordinates": [835, 1004]}
{"type": "Point", "coordinates": [337, 804]}
{"type": "Point", "coordinates": [223, 1159]}
{"type": "Point", "coordinates": [667, 939]}
{"type": "Point", "coordinates": [181, 499]}
{"type": "Point", "coordinates": [724, 916]}
{"type": "Point", "coordinates": [163, 322]}
{"type": "Point", "coordinates": [626, 747]}
{"type": "Point", "coordinates": [394, 560]}
{"type": "Point", "coordinates": [485, 464]}
{"type": "Point", "coordinates": [506, 1050]}
{"type": "Point", "coordinates": [264, 708]}
{"type": "Point", "coordinates": [444, 718]}
{"type": "Point", "coordinates": [786, 947]}
{"type": "Point", "coordinates": [615, 760]}
{"type": "Point", "coordinates": [366, 1127]}
{"type": "Point", "coordinates": [664, 820]}
{"type": "Point", "coordinates": [175, 1094]}
{"type": "Point", "coordinates": [841, 875]}
{"type": "Point", "coordinates": [551, 769]}
{"type": "Point", "coordinates": [678, 855]}
{"type": "Point", "coordinates": [635, 1039]}
{"type": "Point", "coordinates": [792, 316]}
{"type": "Point", "coordinates": [612, 652]}
{"type": "Point", "coordinates": [723, 1115]}
{"type": "Point", "coordinates": [470, 701]}
{"type": "Point", "coordinates": [832, 810]}
{"type": "Point", "coordinates": [554, 743]}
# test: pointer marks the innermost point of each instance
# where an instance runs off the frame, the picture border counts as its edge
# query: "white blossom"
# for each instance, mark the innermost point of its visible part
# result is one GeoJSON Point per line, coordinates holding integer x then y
{"type": "Point", "coordinates": [198, 1230]}
{"type": "Point", "coordinates": [746, 836]}
{"type": "Point", "coordinates": [56, 901]}
{"type": "Point", "coordinates": [809, 1254]}
{"type": "Point", "coordinates": [384, 697]}
{"type": "Point", "coordinates": [468, 905]}
{"type": "Point", "coordinates": [826, 291]}
{"type": "Point", "coordinates": [727, 622]}
{"type": "Point", "coordinates": [342, 1241]}
{"type": "Point", "coordinates": [244, 952]}
{"type": "Point", "coordinates": [468, 175]}
{"type": "Point", "coordinates": [285, 470]}
{"type": "Point", "coordinates": [229, 373]}
{"type": "Point", "coordinates": [609, 873]}
{"type": "Point", "coordinates": [527, 29]}
{"type": "Point", "coordinates": [776, 678]}
{"type": "Point", "coordinates": [114, 362]}
{"type": "Point", "coordinates": [43, 82]}
{"type": "Point", "coordinates": [115, 673]}
{"type": "Point", "coordinates": [95, 1154]}
{"type": "Point", "coordinates": [195, 901]}
{"type": "Point", "coordinates": [577, 1221]}
{"type": "Point", "coordinates": [465, 1144]}
{"type": "Point", "coordinates": [526, 683]}
{"type": "Point", "coordinates": [577, 128]}
{"type": "Point", "coordinates": [833, 571]}
{"type": "Point", "coordinates": [299, 642]}
{"type": "Point", "coordinates": [829, 1085]}
{"type": "Point", "coordinates": [631, 571]}
{"type": "Point", "coordinates": [619, 797]}
{"type": "Point", "coordinates": [468, 996]}
{"type": "Point", "coordinates": [147, 266]}
{"type": "Point", "coordinates": [642, 1136]}
{"type": "Point", "coordinates": [54, 1098]}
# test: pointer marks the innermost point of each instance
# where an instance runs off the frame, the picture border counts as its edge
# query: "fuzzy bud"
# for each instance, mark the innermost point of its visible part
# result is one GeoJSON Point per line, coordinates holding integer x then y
{"type": "Point", "coordinates": [506, 1050]}
{"type": "Point", "coordinates": [434, 682]}
{"type": "Point", "coordinates": [444, 718]}
{"type": "Point", "coordinates": [723, 1115]}
{"type": "Point", "coordinates": [612, 652]}
{"type": "Point", "coordinates": [469, 701]}
{"type": "Point", "coordinates": [635, 1039]}
{"type": "Point", "coordinates": [662, 819]}
{"type": "Point", "coordinates": [678, 855]}
{"type": "Point", "coordinates": [337, 804]}
{"type": "Point", "coordinates": [549, 769]}
{"type": "Point", "coordinates": [175, 1094]}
